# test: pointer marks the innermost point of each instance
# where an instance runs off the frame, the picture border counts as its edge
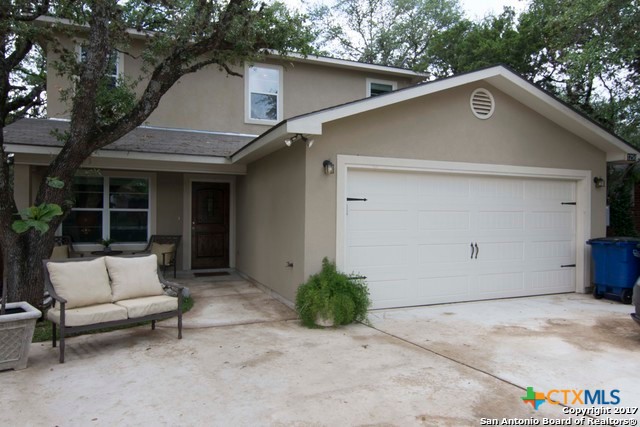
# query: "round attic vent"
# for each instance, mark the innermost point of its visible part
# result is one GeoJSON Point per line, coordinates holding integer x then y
{"type": "Point", "coordinates": [482, 103]}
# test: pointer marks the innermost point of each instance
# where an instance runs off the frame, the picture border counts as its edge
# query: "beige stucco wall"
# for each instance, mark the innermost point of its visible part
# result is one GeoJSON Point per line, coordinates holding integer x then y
{"type": "Point", "coordinates": [270, 228]}
{"type": "Point", "coordinates": [441, 127]}
{"type": "Point", "coordinates": [212, 100]}
{"type": "Point", "coordinates": [170, 206]}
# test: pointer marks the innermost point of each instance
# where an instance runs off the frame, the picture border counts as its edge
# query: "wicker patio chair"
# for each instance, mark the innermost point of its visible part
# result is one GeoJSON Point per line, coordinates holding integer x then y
{"type": "Point", "coordinates": [61, 241]}
{"type": "Point", "coordinates": [166, 249]}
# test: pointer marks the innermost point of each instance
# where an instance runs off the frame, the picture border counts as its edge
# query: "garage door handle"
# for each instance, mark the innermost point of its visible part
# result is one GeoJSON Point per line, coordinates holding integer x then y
{"type": "Point", "coordinates": [472, 250]}
{"type": "Point", "coordinates": [477, 250]}
{"type": "Point", "coordinates": [567, 265]}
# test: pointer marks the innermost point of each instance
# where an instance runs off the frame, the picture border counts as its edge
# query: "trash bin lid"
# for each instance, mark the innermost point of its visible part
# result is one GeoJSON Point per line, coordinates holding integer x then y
{"type": "Point", "coordinates": [614, 240]}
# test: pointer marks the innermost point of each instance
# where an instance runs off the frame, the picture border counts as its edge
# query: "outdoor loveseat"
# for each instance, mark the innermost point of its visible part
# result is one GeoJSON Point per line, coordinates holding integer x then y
{"type": "Point", "coordinates": [95, 293]}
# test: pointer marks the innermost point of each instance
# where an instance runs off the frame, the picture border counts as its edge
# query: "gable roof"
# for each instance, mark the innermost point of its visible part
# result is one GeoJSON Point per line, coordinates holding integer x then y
{"type": "Point", "coordinates": [501, 77]}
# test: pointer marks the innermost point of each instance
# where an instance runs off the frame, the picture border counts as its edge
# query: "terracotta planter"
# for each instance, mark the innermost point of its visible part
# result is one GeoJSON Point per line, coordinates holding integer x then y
{"type": "Point", "coordinates": [16, 332]}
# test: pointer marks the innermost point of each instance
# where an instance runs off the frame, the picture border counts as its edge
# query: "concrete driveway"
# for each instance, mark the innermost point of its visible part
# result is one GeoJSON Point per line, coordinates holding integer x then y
{"type": "Point", "coordinates": [246, 361]}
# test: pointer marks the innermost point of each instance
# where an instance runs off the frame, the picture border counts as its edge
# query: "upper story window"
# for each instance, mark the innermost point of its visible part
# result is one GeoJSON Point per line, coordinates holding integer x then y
{"type": "Point", "coordinates": [263, 94]}
{"type": "Point", "coordinates": [114, 66]}
{"type": "Point", "coordinates": [378, 87]}
{"type": "Point", "coordinates": [109, 207]}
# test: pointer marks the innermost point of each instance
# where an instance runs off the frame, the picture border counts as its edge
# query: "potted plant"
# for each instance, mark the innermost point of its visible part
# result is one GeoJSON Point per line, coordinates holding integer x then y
{"type": "Point", "coordinates": [17, 323]}
{"type": "Point", "coordinates": [332, 298]}
{"type": "Point", "coordinates": [106, 243]}
{"type": "Point", "coordinates": [18, 319]}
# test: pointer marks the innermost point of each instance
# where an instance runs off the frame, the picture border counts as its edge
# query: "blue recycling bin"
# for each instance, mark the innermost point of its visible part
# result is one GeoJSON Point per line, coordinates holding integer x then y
{"type": "Point", "coordinates": [616, 266]}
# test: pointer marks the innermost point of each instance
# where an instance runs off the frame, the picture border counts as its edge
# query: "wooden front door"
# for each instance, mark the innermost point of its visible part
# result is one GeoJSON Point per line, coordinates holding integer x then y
{"type": "Point", "coordinates": [209, 225]}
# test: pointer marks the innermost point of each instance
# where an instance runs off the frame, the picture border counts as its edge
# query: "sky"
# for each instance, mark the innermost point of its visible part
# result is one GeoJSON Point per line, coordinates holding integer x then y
{"type": "Point", "coordinates": [474, 9]}
{"type": "Point", "coordinates": [479, 8]}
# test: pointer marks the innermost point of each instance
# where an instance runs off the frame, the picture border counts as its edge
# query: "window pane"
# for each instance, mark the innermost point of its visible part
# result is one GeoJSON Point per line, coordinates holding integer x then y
{"type": "Point", "coordinates": [83, 226]}
{"type": "Point", "coordinates": [380, 88]}
{"type": "Point", "coordinates": [128, 226]}
{"type": "Point", "coordinates": [264, 80]}
{"type": "Point", "coordinates": [264, 107]}
{"type": "Point", "coordinates": [88, 192]}
{"type": "Point", "coordinates": [128, 193]}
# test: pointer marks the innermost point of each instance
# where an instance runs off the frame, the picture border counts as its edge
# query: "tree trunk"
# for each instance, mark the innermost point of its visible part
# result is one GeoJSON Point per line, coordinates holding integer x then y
{"type": "Point", "coordinates": [23, 255]}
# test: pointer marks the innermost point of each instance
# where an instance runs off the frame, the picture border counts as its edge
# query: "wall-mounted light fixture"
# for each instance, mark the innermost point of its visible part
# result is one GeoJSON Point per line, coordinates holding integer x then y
{"type": "Point", "coordinates": [599, 182]}
{"type": "Point", "coordinates": [299, 137]}
{"type": "Point", "coordinates": [10, 158]}
{"type": "Point", "coordinates": [329, 168]}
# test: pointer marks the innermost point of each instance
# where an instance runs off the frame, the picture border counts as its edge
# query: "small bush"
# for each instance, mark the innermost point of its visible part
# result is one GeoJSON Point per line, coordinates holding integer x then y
{"type": "Point", "coordinates": [332, 295]}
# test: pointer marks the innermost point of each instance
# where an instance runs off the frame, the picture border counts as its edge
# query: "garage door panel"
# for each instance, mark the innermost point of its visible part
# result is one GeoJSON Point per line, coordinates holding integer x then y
{"type": "Point", "coordinates": [415, 246]}
{"type": "Point", "coordinates": [552, 281]}
{"type": "Point", "coordinates": [550, 220]}
{"type": "Point", "coordinates": [496, 220]}
{"type": "Point", "coordinates": [381, 255]}
{"type": "Point", "coordinates": [444, 253]}
{"type": "Point", "coordinates": [441, 289]}
{"type": "Point", "coordinates": [503, 189]}
{"type": "Point", "coordinates": [500, 251]}
{"type": "Point", "coordinates": [498, 284]}
{"type": "Point", "coordinates": [378, 220]}
{"type": "Point", "coordinates": [391, 293]}
{"type": "Point", "coordinates": [560, 191]}
{"type": "Point", "coordinates": [443, 220]}
{"type": "Point", "coordinates": [545, 249]}
{"type": "Point", "coordinates": [448, 188]}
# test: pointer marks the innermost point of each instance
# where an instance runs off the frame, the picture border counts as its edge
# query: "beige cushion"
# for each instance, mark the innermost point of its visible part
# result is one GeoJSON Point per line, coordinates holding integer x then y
{"type": "Point", "coordinates": [88, 315]}
{"type": "Point", "coordinates": [60, 252]}
{"type": "Point", "coordinates": [81, 283]}
{"type": "Point", "coordinates": [140, 307]}
{"type": "Point", "coordinates": [134, 277]}
{"type": "Point", "coordinates": [160, 249]}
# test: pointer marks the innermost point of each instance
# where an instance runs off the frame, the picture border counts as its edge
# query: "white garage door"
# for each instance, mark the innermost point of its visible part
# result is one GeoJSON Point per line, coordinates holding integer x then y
{"type": "Point", "coordinates": [423, 238]}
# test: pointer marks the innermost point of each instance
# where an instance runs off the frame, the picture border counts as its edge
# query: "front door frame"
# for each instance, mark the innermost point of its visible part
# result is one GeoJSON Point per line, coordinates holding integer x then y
{"type": "Point", "coordinates": [581, 177]}
{"type": "Point", "coordinates": [189, 179]}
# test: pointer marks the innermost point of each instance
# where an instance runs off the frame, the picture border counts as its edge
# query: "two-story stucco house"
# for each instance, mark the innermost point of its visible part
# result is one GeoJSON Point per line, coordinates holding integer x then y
{"type": "Point", "coordinates": [473, 187]}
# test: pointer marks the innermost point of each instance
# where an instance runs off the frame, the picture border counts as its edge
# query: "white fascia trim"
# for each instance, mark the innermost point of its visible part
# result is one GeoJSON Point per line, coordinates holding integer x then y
{"type": "Point", "coordinates": [581, 177]}
{"type": "Point", "coordinates": [343, 63]}
{"type": "Point", "coordinates": [278, 133]}
{"type": "Point", "coordinates": [110, 154]}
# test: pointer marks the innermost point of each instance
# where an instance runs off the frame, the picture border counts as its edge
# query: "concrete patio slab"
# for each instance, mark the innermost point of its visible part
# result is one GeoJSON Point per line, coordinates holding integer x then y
{"type": "Point", "coordinates": [425, 366]}
{"type": "Point", "coordinates": [568, 341]}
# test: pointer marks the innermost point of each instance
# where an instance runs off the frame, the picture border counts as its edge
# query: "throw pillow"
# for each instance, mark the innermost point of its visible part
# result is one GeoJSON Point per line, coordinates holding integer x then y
{"type": "Point", "coordinates": [81, 283]}
{"type": "Point", "coordinates": [134, 277]}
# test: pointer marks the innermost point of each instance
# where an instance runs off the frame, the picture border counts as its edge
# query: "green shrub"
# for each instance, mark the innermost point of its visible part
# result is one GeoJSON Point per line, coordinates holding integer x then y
{"type": "Point", "coordinates": [332, 295]}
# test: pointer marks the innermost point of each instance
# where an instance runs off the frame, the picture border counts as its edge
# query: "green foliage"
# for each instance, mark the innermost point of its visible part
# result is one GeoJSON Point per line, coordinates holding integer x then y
{"type": "Point", "coordinates": [54, 182]}
{"type": "Point", "coordinates": [621, 182]}
{"type": "Point", "coordinates": [332, 295]}
{"type": "Point", "coordinates": [36, 217]}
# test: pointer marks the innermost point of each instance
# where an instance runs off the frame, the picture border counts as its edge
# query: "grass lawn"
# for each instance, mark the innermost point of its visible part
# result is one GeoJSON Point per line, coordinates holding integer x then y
{"type": "Point", "coordinates": [43, 327]}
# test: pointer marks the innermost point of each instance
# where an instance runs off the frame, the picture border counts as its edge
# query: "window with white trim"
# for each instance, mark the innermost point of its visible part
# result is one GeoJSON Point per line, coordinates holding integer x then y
{"type": "Point", "coordinates": [109, 207]}
{"type": "Point", "coordinates": [377, 87]}
{"type": "Point", "coordinates": [114, 64]}
{"type": "Point", "coordinates": [263, 93]}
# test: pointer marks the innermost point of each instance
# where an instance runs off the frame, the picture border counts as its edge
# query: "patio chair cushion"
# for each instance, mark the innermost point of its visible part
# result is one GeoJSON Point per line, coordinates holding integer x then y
{"type": "Point", "coordinates": [88, 315]}
{"type": "Point", "coordinates": [81, 283]}
{"type": "Point", "coordinates": [60, 252]}
{"type": "Point", "coordinates": [134, 277]}
{"type": "Point", "coordinates": [140, 307]}
{"type": "Point", "coordinates": [159, 249]}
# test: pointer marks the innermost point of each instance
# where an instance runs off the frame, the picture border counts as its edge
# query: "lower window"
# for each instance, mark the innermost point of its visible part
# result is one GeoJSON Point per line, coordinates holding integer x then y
{"type": "Point", "coordinates": [115, 208]}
